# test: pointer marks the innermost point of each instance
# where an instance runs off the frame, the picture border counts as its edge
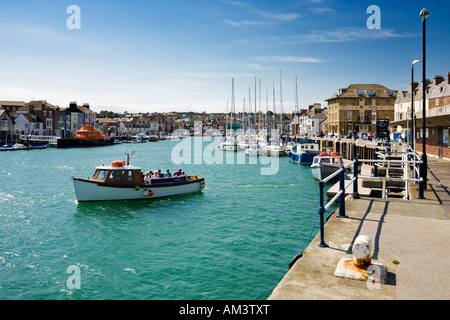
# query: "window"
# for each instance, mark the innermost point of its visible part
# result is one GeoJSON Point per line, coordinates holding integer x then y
{"type": "Point", "coordinates": [436, 101]}
{"type": "Point", "coordinates": [390, 93]}
{"type": "Point", "coordinates": [371, 93]}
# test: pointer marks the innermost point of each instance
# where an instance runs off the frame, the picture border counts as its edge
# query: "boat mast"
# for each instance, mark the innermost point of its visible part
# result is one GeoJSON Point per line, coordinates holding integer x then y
{"type": "Point", "coordinates": [259, 107]}
{"type": "Point", "coordinates": [281, 107]}
{"type": "Point", "coordinates": [232, 106]}
{"type": "Point", "coordinates": [243, 116]}
{"type": "Point", "coordinates": [254, 118]}
{"type": "Point", "coordinates": [249, 108]}
{"type": "Point", "coordinates": [267, 113]}
{"type": "Point", "coordinates": [296, 110]}
{"type": "Point", "coordinates": [274, 108]}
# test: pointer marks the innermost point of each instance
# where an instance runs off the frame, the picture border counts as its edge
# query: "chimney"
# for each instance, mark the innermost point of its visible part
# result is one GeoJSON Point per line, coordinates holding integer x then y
{"type": "Point", "coordinates": [438, 80]}
{"type": "Point", "coordinates": [448, 77]}
{"type": "Point", "coordinates": [86, 105]}
{"type": "Point", "coordinates": [73, 104]}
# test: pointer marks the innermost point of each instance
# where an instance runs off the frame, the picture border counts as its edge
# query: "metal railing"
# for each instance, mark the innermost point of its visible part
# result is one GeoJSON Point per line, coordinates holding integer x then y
{"type": "Point", "coordinates": [355, 164]}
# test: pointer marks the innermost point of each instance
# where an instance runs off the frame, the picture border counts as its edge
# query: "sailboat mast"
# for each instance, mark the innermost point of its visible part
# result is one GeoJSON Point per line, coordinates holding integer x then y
{"type": "Point", "coordinates": [296, 109]}
{"type": "Point", "coordinates": [274, 108]}
{"type": "Point", "coordinates": [281, 106]}
{"type": "Point", "coordinates": [259, 107]}
{"type": "Point", "coordinates": [232, 106]}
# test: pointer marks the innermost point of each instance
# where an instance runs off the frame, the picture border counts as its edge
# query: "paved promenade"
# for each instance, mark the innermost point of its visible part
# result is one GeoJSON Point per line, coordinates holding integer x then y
{"type": "Point", "coordinates": [411, 238]}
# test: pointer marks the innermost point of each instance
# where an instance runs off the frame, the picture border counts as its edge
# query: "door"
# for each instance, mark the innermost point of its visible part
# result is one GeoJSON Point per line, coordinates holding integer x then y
{"type": "Point", "coordinates": [440, 142]}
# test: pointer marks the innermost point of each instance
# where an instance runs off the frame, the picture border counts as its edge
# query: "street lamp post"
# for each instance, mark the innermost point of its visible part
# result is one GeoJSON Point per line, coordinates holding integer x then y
{"type": "Point", "coordinates": [424, 14]}
{"type": "Point", "coordinates": [413, 116]}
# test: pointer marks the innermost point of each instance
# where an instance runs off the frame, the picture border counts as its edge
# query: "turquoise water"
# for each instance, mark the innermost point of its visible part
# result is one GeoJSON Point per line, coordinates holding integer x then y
{"type": "Point", "coordinates": [233, 240]}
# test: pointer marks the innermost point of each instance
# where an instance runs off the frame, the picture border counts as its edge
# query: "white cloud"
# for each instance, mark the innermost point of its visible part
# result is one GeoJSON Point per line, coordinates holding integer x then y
{"type": "Point", "coordinates": [245, 23]}
{"type": "Point", "coordinates": [294, 59]}
{"type": "Point", "coordinates": [339, 35]}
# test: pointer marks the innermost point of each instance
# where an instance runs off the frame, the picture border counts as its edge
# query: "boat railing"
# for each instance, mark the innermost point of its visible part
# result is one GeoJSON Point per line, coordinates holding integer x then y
{"type": "Point", "coordinates": [50, 139]}
{"type": "Point", "coordinates": [355, 165]}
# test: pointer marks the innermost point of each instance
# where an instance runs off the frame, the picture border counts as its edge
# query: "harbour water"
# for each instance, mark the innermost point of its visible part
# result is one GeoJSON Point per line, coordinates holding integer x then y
{"type": "Point", "coordinates": [233, 240]}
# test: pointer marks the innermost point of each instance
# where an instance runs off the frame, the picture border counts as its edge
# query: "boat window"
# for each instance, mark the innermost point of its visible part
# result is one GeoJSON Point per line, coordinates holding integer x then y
{"type": "Point", "coordinates": [325, 160]}
{"type": "Point", "coordinates": [316, 160]}
{"type": "Point", "coordinates": [127, 176]}
{"type": "Point", "coordinates": [102, 174]}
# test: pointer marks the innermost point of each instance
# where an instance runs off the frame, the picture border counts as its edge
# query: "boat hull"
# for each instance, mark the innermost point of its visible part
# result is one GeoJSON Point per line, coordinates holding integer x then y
{"type": "Point", "coordinates": [323, 171]}
{"type": "Point", "coordinates": [302, 158]}
{"type": "Point", "coordinates": [78, 142]}
{"type": "Point", "coordinates": [90, 191]}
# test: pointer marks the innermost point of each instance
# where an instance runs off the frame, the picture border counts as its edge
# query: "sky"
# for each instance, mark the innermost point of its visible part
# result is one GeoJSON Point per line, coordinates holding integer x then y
{"type": "Point", "coordinates": [162, 56]}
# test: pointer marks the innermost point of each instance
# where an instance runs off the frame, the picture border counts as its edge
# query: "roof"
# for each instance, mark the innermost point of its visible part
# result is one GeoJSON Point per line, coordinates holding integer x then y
{"type": "Point", "coordinates": [365, 91]}
{"type": "Point", "coordinates": [4, 113]}
{"type": "Point", "coordinates": [12, 103]}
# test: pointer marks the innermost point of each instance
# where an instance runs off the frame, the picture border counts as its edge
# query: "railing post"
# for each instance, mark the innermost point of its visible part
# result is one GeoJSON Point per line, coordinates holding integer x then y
{"type": "Point", "coordinates": [355, 176]}
{"type": "Point", "coordinates": [342, 196]}
{"type": "Point", "coordinates": [421, 183]}
{"type": "Point", "coordinates": [375, 168]}
{"type": "Point", "coordinates": [322, 220]}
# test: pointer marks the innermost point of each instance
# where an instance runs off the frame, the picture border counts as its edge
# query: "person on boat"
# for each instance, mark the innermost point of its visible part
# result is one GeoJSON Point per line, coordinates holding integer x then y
{"type": "Point", "coordinates": [155, 175]}
{"type": "Point", "coordinates": [147, 178]}
{"type": "Point", "coordinates": [161, 175]}
{"type": "Point", "coordinates": [178, 173]}
{"type": "Point", "coordinates": [168, 174]}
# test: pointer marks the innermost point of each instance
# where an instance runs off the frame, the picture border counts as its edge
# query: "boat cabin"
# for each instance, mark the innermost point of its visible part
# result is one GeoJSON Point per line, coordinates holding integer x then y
{"type": "Point", "coordinates": [125, 175]}
{"type": "Point", "coordinates": [308, 147]}
{"type": "Point", "coordinates": [334, 159]}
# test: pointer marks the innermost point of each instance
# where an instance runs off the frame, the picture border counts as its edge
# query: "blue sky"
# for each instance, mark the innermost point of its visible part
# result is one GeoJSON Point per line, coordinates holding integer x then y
{"type": "Point", "coordinates": [158, 56]}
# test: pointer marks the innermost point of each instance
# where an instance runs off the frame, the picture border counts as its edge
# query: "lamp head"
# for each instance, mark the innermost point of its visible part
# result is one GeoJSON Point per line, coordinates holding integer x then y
{"type": "Point", "coordinates": [424, 13]}
{"type": "Point", "coordinates": [416, 62]}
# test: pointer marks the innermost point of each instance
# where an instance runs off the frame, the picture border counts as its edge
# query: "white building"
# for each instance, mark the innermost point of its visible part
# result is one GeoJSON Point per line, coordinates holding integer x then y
{"type": "Point", "coordinates": [25, 123]}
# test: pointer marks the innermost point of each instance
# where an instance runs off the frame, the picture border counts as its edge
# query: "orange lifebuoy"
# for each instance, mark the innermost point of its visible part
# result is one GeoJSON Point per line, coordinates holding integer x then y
{"type": "Point", "coordinates": [118, 163]}
{"type": "Point", "coordinates": [335, 154]}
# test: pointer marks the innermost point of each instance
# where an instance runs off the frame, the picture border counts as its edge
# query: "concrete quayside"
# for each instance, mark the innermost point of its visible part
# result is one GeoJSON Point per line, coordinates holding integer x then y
{"type": "Point", "coordinates": [408, 240]}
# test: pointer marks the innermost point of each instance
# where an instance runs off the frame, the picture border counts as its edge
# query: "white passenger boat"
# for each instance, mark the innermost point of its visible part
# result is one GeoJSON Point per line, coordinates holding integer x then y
{"type": "Point", "coordinates": [326, 164]}
{"type": "Point", "coordinates": [120, 181]}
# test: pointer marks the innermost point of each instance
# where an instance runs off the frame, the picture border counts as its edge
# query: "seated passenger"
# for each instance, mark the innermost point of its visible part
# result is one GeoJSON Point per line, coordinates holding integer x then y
{"type": "Point", "coordinates": [178, 173]}
{"type": "Point", "coordinates": [147, 178]}
{"type": "Point", "coordinates": [155, 175]}
{"type": "Point", "coordinates": [161, 175]}
{"type": "Point", "coordinates": [168, 174]}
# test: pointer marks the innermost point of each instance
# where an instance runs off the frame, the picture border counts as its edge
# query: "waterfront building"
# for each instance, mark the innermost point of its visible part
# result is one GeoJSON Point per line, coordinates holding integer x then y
{"type": "Point", "coordinates": [6, 125]}
{"type": "Point", "coordinates": [357, 108]}
{"type": "Point", "coordinates": [76, 116]}
{"type": "Point", "coordinates": [437, 112]}
{"type": "Point", "coordinates": [12, 106]}
{"type": "Point", "coordinates": [46, 114]}
{"type": "Point", "coordinates": [27, 124]}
